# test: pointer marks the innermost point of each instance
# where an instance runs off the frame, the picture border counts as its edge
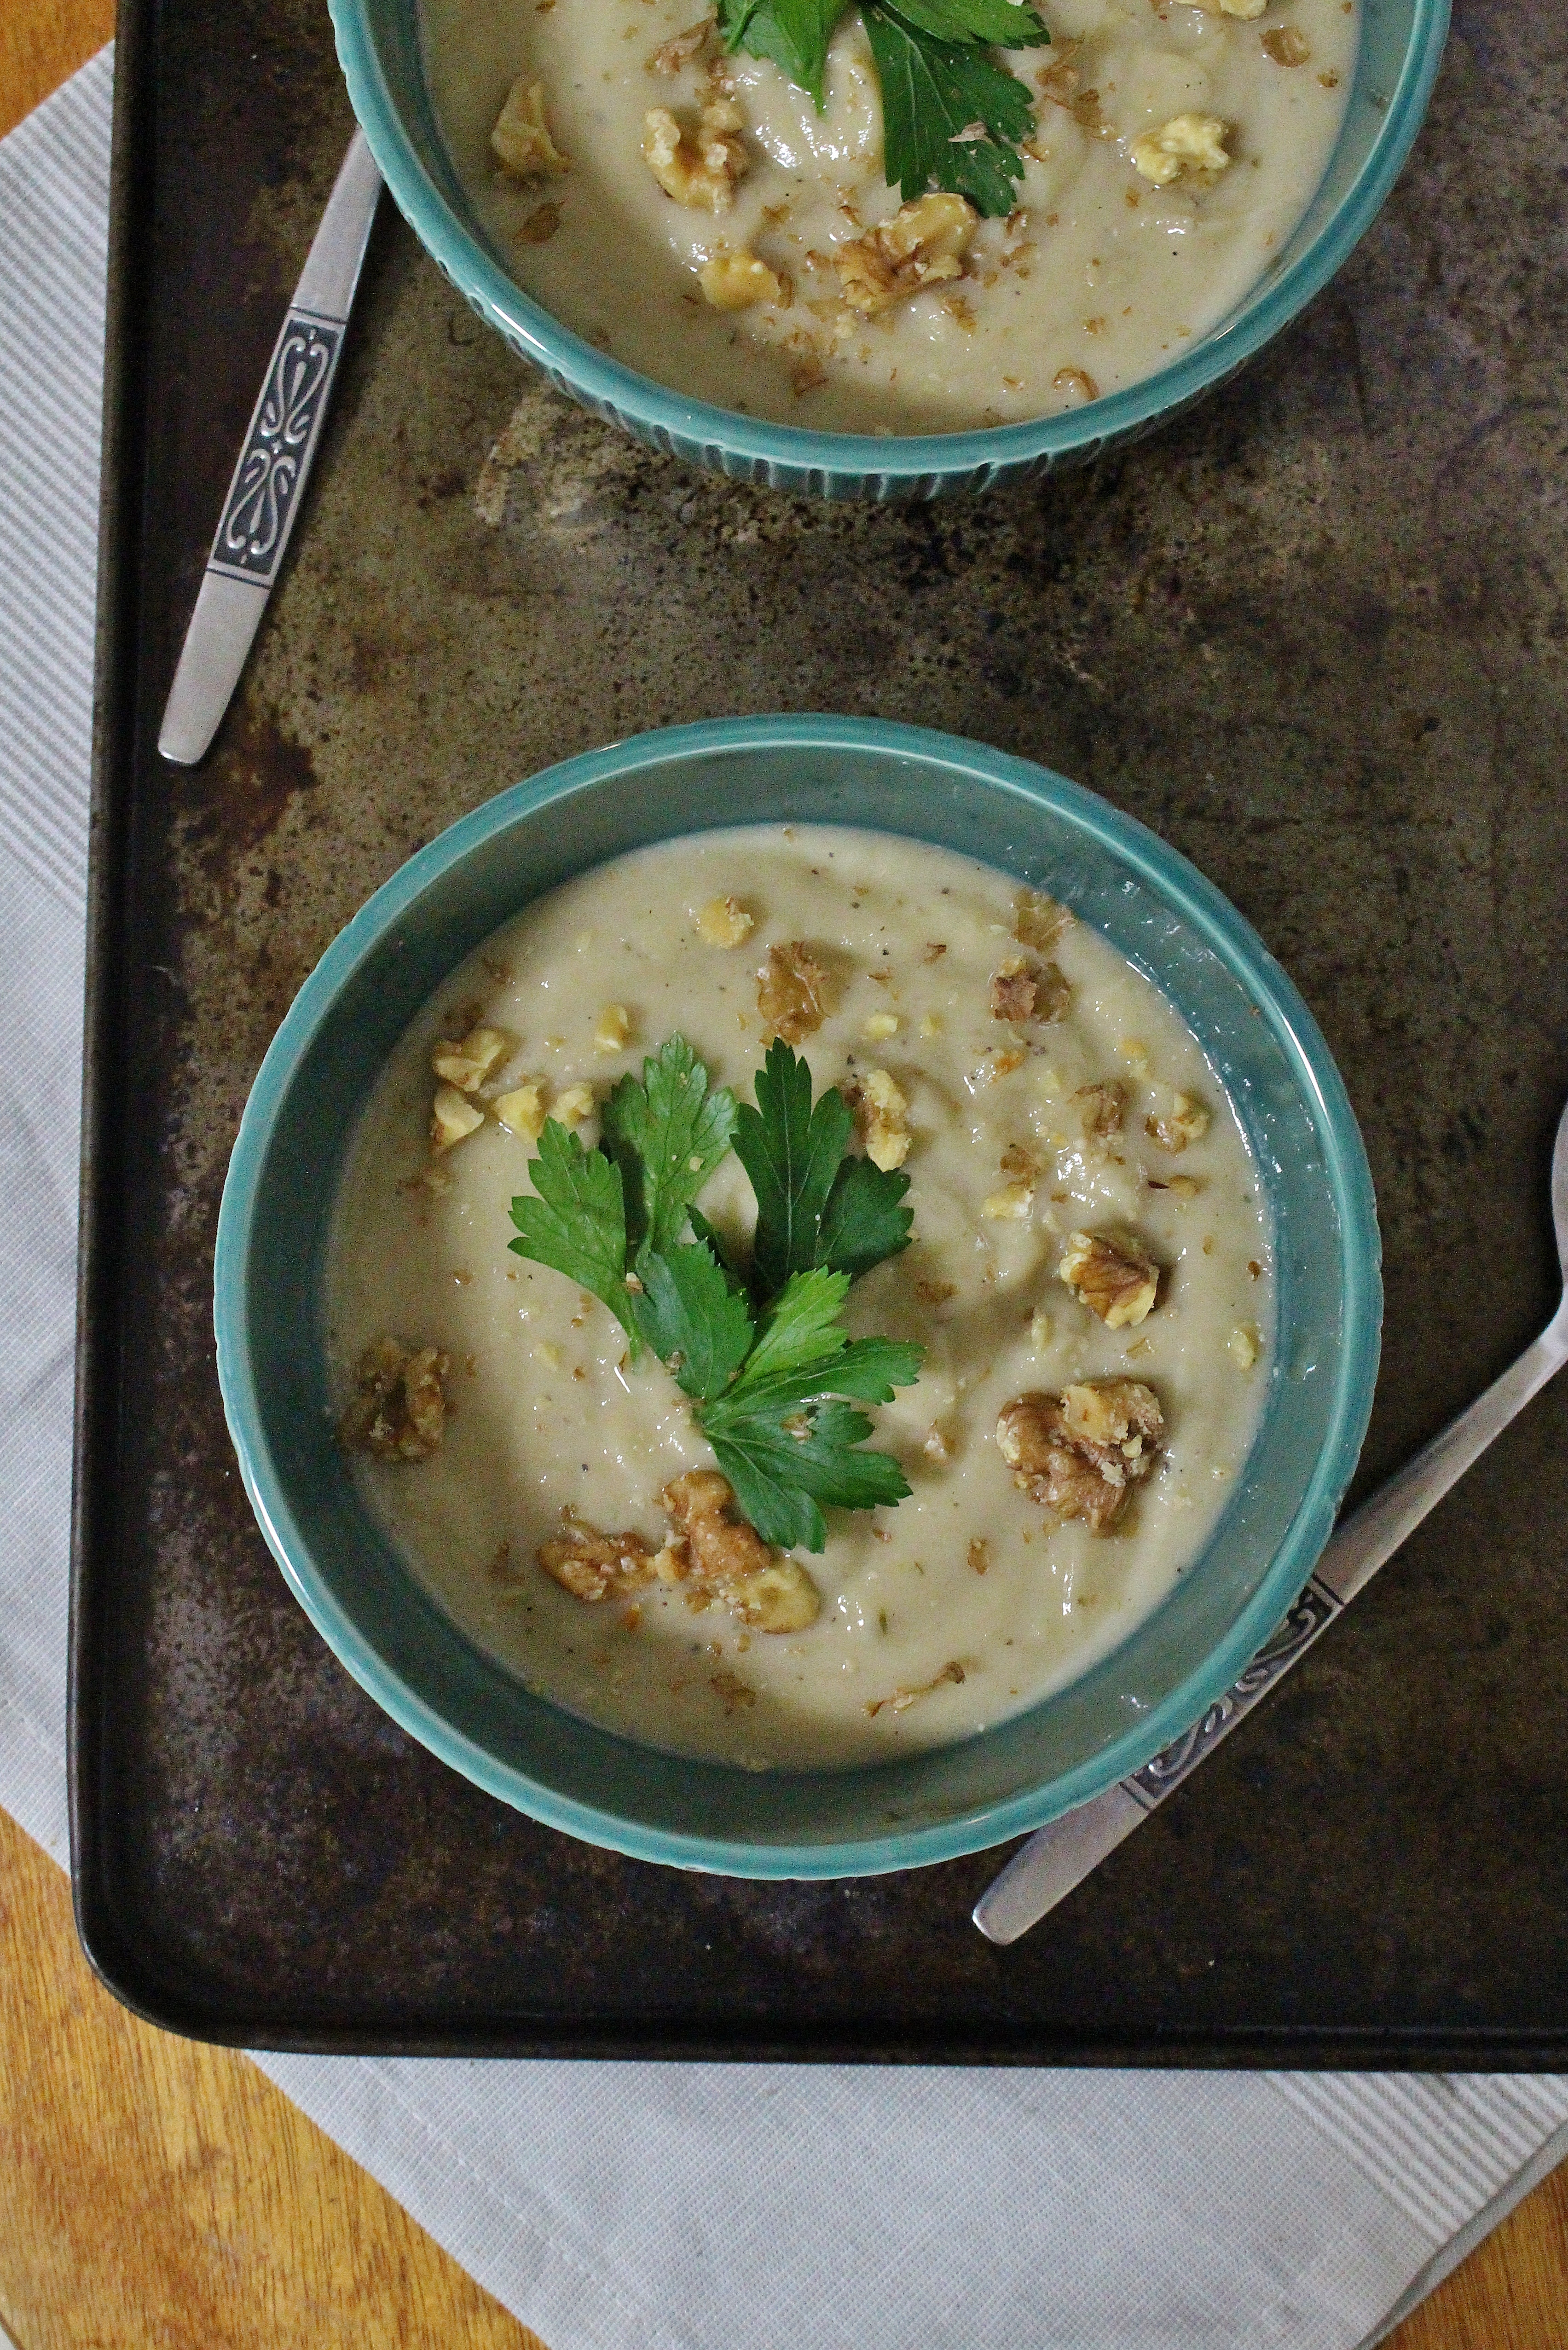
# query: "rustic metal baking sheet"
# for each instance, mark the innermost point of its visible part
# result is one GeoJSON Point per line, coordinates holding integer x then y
{"type": "Point", "coordinates": [1314, 633]}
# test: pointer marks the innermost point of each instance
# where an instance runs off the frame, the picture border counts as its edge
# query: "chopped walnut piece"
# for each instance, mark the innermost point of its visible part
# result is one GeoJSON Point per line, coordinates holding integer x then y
{"type": "Point", "coordinates": [791, 993]}
{"type": "Point", "coordinates": [452, 1118]}
{"type": "Point", "coordinates": [933, 951]}
{"type": "Point", "coordinates": [1284, 46]}
{"type": "Point", "coordinates": [735, 281]}
{"type": "Point", "coordinates": [880, 1025]}
{"type": "Point", "coordinates": [400, 1410]}
{"type": "Point", "coordinates": [1059, 80]}
{"type": "Point", "coordinates": [1113, 1278]}
{"type": "Point", "coordinates": [938, 1444]}
{"type": "Point", "coordinates": [923, 244]}
{"type": "Point", "coordinates": [571, 1107]}
{"type": "Point", "coordinates": [1078, 379]}
{"type": "Point", "coordinates": [1080, 1454]}
{"type": "Point", "coordinates": [1024, 990]}
{"type": "Point", "coordinates": [1013, 1200]}
{"type": "Point", "coordinates": [1247, 10]}
{"type": "Point", "coordinates": [522, 1112]}
{"type": "Point", "coordinates": [1038, 921]}
{"type": "Point", "coordinates": [699, 168]}
{"type": "Point", "coordinates": [593, 1566]}
{"type": "Point", "coordinates": [612, 1029]}
{"type": "Point", "coordinates": [729, 1559]}
{"type": "Point", "coordinates": [725, 922]}
{"type": "Point", "coordinates": [1189, 145]}
{"type": "Point", "coordinates": [1100, 1106]}
{"type": "Point", "coordinates": [1186, 1121]}
{"type": "Point", "coordinates": [979, 1553]}
{"type": "Point", "coordinates": [1244, 1345]}
{"type": "Point", "coordinates": [903, 1699]}
{"type": "Point", "coordinates": [881, 1114]}
{"type": "Point", "coordinates": [1023, 1162]}
{"type": "Point", "coordinates": [521, 141]}
{"type": "Point", "coordinates": [732, 1689]}
{"type": "Point", "coordinates": [467, 1065]}
{"type": "Point", "coordinates": [539, 225]}
{"type": "Point", "coordinates": [672, 54]}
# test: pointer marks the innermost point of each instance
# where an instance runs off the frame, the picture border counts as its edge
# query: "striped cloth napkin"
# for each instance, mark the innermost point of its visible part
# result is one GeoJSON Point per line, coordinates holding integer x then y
{"type": "Point", "coordinates": [654, 2207]}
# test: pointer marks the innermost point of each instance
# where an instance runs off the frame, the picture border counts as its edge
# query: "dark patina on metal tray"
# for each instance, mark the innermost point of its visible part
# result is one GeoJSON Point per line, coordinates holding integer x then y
{"type": "Point", "coordinates": [1315, 632]}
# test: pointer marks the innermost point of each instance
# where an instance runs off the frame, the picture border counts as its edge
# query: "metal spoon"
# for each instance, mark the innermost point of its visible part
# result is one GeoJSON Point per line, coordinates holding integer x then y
{"type": "Point", "coordinates": [1061, 1854]}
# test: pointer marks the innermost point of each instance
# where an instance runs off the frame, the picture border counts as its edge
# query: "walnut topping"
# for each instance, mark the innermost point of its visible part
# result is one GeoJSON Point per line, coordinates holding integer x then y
{"type": "Point", "coordinates": [522, 1112]}
{"type": "Point", "coordinates": [1022, 991]}
{"type": "Point", "coordinates": [1284, 46]}
{"type": "Point", "coordinates": [729, 1559]}
{"type": "Point", "coordinates": [452, 1118]}
{"type": "Point", "coordinates": [672, 54]}
{"type": "Point", "coordinates": [467, 1065]}
{"type": "Point", "coordinates": [400, 1410]}
{"type": "Point", "coordinates": [979, 1553]}
{"type": "Point", "coordinates": [791, 993]}
{"type": "Point", "coordinates": [1186, 1121]}
{"type": "Point", "coordinates": [933, 951]}
{"type": "Point", "coordinates": [1113, 1278]}
{"type": "Point", "coordinates": [1013, 1200]}
{"type": "Point", "coordinates": [735, 281]}
{"type": "Point", "coordinates": [1078, 379]}
{"type": "Point", "coordinates": [539, 225]}
{"type": "Point", "coordinates": [700, 168]}
{"type": "Point", "coordinates": [732, 1689]}
{"type": "Point", "coordinates": [1080, 1454]}
{"type": "Point", "coordinates": [1100, 1106]}
{"type": "Point", "coordinates": [1244, 1345]}
{"type": "Point", "coordinates": [725, 922]}
{"type": "Point", "coordinates": [593, 1566]}
{"type": "Point", "coordinates": [1189, 145]}
{"type": "Point", "coordinates": [903, 1699]}
{"type": "Point", "coordinates": [612, 1029]}
{"type": "Point", "coordinates": [1247, 10]}
{"type": "Point", "coordinates": [881, 1114]}
{"type": "Point", "coordinates": [1038, 921]}
{"type": "Point", "coordinates": [923, 244]}
{"type": "Point", "coordinates": [571, 1107]}
{"type": "Point", "coordinates": [521, 141]}
{"type": "Point", "coordinates": [880, 1025]}
{"type": "Point", "coordinates": [1059, 80]}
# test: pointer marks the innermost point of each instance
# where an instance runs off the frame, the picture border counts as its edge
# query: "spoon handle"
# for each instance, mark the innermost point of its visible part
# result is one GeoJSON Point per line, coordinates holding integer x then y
{"type": "Point", "coordinates": [1061, 1853]}
{"type": "Point", "coordinates": [275, 461]}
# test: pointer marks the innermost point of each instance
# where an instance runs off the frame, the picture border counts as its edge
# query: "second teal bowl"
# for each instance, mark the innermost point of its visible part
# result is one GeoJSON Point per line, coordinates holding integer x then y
{"type": "Point", "coordinates": [1158, 911]}
{"type": "Point", "coordinates": [379, 46]}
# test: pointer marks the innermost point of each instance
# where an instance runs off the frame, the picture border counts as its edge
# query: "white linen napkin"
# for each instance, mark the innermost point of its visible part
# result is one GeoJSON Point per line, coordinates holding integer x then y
{"type": "Point", "coordinates": [653, 2207]}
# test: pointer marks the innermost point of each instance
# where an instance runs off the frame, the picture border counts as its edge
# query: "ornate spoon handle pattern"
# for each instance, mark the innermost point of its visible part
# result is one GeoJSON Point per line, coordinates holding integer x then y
{"type": "Point", "coordinates": [1061, 1853]}
{"type": "Point", "coordinates": [274, 463]}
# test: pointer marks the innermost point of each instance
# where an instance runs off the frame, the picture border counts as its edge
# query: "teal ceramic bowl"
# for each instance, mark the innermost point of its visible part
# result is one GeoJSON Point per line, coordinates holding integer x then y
{"type": "Point", "coordinates": [379, 46]}
{"type": "Point", "coordinates": [1153, 906]}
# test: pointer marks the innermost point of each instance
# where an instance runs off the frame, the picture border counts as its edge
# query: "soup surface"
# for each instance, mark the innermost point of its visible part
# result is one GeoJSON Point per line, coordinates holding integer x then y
{"type": "Point", "coordinates": [1083, 1107]}
{"type": "Point", "coordinates": [1100, 276]}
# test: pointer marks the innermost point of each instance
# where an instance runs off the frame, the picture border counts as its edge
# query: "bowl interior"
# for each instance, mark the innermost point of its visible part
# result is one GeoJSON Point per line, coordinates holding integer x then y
{"type": "Point", "coordinates": [378, 43]}
{"type": "Point", "coordinates": [1168, 920]}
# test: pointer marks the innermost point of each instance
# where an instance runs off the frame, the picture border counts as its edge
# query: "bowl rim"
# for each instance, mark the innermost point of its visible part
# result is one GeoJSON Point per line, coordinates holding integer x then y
{"type": "Point", "coordinates": [1203, 909]}
{"type": "Point", "coordinates": [676, 421]}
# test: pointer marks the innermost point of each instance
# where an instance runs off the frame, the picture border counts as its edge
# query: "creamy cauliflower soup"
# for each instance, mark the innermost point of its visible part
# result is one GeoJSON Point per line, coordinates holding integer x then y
{"type": "Point", "coordinates": [689, 209]}
{"type": "Point", "coordinates": [795, 1296]}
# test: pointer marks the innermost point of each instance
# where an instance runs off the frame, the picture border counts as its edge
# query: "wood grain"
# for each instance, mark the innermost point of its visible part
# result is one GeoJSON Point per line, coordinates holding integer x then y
{"type": "Point", "coordinates": [42, 42]}
{"type": "Point", "coordinates": [156, 2195]}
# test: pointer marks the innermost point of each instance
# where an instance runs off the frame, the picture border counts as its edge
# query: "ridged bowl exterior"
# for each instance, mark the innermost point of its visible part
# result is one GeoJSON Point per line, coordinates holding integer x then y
{"type": "Point", "coordinates": [379, 46]}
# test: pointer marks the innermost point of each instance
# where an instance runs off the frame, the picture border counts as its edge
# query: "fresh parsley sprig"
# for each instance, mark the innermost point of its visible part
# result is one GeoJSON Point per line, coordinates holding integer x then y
{"type": "Point", "coordinates": [759, 1349]}
{"type": "Point", "coordinates": [951, 116]}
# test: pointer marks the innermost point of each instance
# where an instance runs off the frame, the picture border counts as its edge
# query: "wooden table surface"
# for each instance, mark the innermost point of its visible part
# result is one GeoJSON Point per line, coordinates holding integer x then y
{"type": "Point", "coordinates": [156, 2195]}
